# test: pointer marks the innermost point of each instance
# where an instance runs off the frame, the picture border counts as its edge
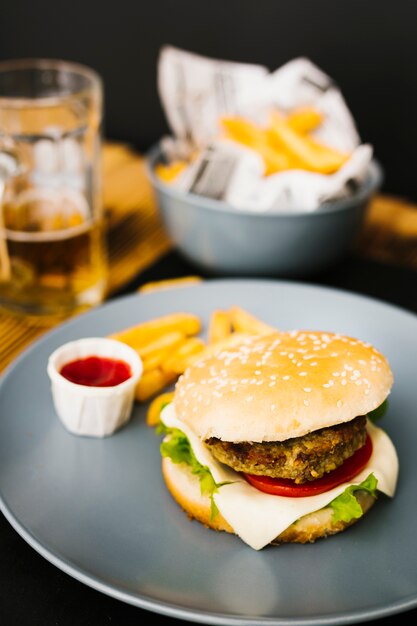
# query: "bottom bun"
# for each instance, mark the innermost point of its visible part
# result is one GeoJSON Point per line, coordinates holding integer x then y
{"type": "Point", "coordinates": [185, 489]}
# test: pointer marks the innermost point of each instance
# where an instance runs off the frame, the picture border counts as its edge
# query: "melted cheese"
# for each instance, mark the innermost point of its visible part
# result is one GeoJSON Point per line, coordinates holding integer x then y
{"type": "Point", "coordinates": [257, 517]}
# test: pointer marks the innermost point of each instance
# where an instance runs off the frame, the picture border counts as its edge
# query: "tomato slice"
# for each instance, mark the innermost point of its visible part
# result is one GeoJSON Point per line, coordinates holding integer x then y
{"type": "Point", "coordinates": [286, 487]}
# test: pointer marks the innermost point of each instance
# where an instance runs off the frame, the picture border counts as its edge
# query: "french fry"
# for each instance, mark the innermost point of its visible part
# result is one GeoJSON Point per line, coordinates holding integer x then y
{"type": "Point", "coordinates": [168, 173]}
{"type": "Point", "coordinates": [220, 326]}
{"type": "Point", "coordinates": [155, 359]}
{"type": "Point", "coordinates": [244, 322]}
{"type": "Point", "coordinates": [185, 281]}
{"type": "Point", "coordinates": [253, 137]}
{"type": "Point", "coordinates": [310, 154]}
{"type": "Point", "coordinates": [304, 119]}
{"type": "Point", "coordinates": [156, 406]}
{"type": "Point", "coordinates": [143, 333]}
{"type": "Point", "coordinates": [152, 382]}
{"type": "Point", "coordinates": [175, 357]}
{"type": "Point", "coordinates": [183, 356]}
{"type": "Point", "coordinates": [162, 344]}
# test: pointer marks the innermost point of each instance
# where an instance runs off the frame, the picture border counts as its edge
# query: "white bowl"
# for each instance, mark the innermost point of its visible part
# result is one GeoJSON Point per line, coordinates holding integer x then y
{"type": "Point", "coordinates": [93, 411]}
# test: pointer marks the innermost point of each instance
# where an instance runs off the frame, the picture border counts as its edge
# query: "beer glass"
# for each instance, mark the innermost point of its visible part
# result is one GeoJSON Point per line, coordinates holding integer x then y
{"type": "Point", "coordinates": [52, 240]}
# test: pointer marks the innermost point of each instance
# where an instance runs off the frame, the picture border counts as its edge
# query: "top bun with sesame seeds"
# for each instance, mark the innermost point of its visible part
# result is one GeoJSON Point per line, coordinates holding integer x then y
{"type": "Point", "coordinates": [281, 386]}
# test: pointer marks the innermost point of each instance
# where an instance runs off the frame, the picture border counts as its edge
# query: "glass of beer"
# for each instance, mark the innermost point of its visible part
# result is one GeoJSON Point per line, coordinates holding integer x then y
{"type": "Point", "coordinates": [52, 239]}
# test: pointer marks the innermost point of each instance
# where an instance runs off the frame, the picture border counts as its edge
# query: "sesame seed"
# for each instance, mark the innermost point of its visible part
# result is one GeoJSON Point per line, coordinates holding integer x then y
{"type": "Point", "coordinates": [307, 389]}
{"type": "Point", "coordinates": [273, 407]}
{"type": "Point", "coordinates": [339, 403]}
{"type": "Point", "coordinates": [344, 381]}
{"type": "Point", "coordinates": [313, 364]}
{"type": "Point", "coordinates": [358, 382]}
{"type": "Point", "coordinates": [302, 374]}
{"type": "Point", "coordinates": [336, 374]}
{"type": "Point", "coordinates": [330, 383]}
{"type": "Point", "coordinates": [286, 377]}
{"type": "Point", "coordinates": [306, 403]}
{"type": "Point", "coordinates": [273, 383]}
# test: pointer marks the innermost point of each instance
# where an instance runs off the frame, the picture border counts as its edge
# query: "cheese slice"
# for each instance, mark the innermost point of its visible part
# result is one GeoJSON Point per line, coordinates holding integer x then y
{"type": "Point", "coordinates": [258, 517]}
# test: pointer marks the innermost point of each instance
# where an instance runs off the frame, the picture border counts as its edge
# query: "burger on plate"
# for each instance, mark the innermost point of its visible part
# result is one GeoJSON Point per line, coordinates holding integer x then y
{"type": "Point", "coordinates": [272, 439]}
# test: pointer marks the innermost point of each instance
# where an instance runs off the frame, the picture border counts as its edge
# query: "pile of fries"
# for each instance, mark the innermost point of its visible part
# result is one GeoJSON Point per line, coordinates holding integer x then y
{"type": "Point", "coordinates": [169, 344]}
{"type": "Point", "coordinates": [285, 143]}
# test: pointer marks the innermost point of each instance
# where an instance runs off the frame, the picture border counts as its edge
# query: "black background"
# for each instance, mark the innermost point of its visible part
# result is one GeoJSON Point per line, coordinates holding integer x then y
{"type": "Point", "coordinates": [367, 46]}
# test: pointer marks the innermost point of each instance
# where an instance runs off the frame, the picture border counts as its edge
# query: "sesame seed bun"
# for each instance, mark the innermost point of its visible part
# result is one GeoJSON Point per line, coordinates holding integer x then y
{"type": "Point", "coordinates": [280, 386]}
{"type": "Point", "coordinates": [185, 489]}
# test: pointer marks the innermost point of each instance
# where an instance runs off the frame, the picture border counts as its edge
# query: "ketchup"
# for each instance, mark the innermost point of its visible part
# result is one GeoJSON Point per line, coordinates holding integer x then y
{"type": "Point", "coordinates": [96, 371]}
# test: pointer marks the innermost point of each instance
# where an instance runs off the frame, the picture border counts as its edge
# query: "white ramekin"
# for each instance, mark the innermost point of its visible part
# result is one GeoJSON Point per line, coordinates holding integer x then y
{"type": "Point", "coordinates": [93, 411]}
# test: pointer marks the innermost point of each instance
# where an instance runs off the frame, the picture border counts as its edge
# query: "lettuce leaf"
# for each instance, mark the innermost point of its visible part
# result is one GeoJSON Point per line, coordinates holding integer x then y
{"type": "Point", "coordinates": [379, 412]}
{"type": "Point", "coordinates": [176, 446]}
{"type": "Point", "coordinates": [346, 507]}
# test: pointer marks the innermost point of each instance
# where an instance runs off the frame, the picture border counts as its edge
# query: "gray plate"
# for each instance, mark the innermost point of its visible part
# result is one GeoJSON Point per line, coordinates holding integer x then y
{"type": "Point", "coordinates": [98, 509]}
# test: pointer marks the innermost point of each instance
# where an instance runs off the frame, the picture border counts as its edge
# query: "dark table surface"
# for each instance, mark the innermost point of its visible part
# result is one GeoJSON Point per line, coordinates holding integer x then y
{"type": "Point", "coordinates": [35, 593]}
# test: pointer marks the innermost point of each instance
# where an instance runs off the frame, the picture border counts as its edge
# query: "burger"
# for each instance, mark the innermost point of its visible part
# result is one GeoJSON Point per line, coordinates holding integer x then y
{"type": "Point", "coordinates": [274, 439]}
